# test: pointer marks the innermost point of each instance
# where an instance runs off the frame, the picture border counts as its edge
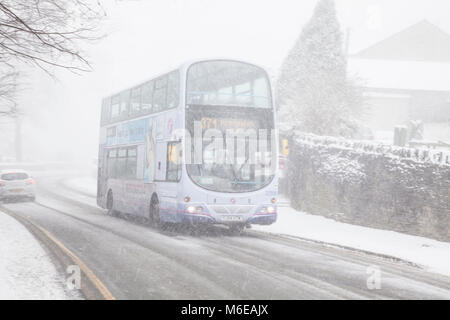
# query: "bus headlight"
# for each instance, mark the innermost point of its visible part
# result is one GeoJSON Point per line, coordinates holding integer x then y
{"type": "Point", "coordinates": [270, 209]}
{"type": "Point", "coordinates": [191, 209]}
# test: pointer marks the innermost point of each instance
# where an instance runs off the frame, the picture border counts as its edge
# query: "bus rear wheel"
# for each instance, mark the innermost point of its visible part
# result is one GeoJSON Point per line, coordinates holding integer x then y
{"type": "Point", "coordinates": [155, 218]}
{"type": "Point", "coordinates": [110, 205]}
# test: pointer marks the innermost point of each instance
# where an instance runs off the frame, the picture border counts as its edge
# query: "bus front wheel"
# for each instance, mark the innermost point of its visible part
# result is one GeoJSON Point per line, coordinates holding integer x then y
{"type": "Point", "coordinates": [110, 205]}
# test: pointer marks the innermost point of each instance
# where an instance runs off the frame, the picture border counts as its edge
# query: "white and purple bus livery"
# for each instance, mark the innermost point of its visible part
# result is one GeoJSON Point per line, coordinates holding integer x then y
{"type": "Point", "coordinates": [195, 145]}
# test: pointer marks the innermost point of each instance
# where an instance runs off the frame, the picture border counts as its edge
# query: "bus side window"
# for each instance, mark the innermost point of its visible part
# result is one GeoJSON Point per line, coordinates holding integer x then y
{"type": "Point", "coordinates": [111, 163]}
{"type": "Point", "coordinates": [173, 161]}
{"type": "Point", "coordinates": [173, 90]}
{"type": "Point", "coordinates": [135, 105]}
{"type": "Point", "coordinates": [159, 95]}
{"type": "Point", "coordinates": [111, 132]}
{"type": "Point", "coordinates": [147, 97]}
{"type": "Point", "coordinates": [131, 167]}
{"type": "Point", "coordinates": [115, 107]}
{"type": "Point", "coordinates": [121, 166]}
{"type": "Point", "coordinates": [124, 103]}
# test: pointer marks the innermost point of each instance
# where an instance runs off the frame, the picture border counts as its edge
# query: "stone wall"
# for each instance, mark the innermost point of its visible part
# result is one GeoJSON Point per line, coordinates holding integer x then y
{"type": "Point", "coordinates": [359, 184]}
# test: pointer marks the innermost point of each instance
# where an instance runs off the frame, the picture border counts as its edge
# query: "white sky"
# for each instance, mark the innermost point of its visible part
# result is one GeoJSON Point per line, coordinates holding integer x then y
{"type": "Point", "coordinates": [146, 37]}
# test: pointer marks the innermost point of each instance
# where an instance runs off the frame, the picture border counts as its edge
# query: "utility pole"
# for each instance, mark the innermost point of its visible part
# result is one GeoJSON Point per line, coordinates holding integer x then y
{"type": "Point", "coordinates": [347, 41]}
{"type": "Point", "coordinates": [18, 136]}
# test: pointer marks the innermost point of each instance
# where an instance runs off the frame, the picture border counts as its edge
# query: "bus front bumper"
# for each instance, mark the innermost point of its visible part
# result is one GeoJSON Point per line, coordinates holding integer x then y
{"type": "Point", "coordinates": [206, 217]}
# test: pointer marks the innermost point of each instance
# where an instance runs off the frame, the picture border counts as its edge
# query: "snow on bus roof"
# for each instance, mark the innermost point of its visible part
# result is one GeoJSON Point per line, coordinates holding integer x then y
{"type": "Point", "coordinates": [183, 67]}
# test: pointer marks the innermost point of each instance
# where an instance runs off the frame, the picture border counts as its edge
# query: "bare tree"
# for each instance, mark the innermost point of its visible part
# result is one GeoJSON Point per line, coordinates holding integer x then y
{"type": "Point", "coordinates": [44, 33]}
{"type": "Point", "coordinates": [8, 90]}
{"type": "Point", "coordinates": [48, 32]}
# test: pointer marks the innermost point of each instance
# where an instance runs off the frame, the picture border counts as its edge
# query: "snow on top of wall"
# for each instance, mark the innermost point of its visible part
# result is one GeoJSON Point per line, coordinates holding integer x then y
{"type": "Point", "coordinates": [420, 155]}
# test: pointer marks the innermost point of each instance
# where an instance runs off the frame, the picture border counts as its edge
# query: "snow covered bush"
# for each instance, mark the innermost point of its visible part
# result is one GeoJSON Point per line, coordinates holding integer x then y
{"type": "Point", "coordinates": [313, 91]}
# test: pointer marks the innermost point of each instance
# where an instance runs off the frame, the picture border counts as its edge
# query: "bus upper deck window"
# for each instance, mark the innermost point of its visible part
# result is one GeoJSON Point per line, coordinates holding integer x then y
{"type": "Point", "coordinates": [173, 89]}
{"type": "Point", "coordinates": [124, 103]}
{"type": "Point", "coordinates": [135, 100]}
{"type": "Point", "coordinates": [261, 92]}
{"type": "Point", "coordinates": [159, 95]}
{"type": "Point", "coordinates": [115, 107]}
{"type": "Point", "coordinates": [147, 97]}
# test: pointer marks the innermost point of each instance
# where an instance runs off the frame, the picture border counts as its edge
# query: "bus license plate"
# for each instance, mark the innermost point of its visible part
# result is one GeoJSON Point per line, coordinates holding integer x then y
{"type": "Point", "coordinates": [16, 190]}
{"type": "Point", "coordinates": [231, 218]}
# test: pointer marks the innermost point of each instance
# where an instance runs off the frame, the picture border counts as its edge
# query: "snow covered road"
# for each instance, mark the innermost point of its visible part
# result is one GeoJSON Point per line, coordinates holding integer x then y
{"type": "Point", "coordinates": [428, 253]}
{"type": "Point", "coordinates": [135, 261]}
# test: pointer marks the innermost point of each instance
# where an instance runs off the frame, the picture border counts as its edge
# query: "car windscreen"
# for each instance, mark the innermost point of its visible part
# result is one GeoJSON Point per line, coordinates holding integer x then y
{"type": "Point", "coordinates": [14, 176]}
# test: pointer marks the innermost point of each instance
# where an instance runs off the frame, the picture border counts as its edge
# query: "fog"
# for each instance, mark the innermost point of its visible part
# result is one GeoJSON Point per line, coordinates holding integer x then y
{"type": "Point", "coordinates": [144, 38]}
{"type": "Point", "coordinates": [326, 177]}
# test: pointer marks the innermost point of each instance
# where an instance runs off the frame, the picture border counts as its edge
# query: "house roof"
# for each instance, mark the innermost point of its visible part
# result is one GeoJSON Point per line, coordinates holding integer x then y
{"type": "Point", "coordinates": [422, 41]}
{"type": "Point", "coordinates": [401, 75]}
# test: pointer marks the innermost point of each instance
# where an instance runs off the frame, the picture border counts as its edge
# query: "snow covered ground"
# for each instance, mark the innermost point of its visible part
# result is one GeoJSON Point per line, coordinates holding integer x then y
{"type": "Point", "coordinates": [26, 271]}
{"type": "Point", "coordinates": [430, 254]}
{"type": "Point", "coordinates": [86, 185]}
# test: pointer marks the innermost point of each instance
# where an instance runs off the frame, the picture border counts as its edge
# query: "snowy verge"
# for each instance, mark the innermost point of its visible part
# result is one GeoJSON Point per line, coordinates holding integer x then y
{"type": "Point", "coordinates": [430, 254]}
{"type": "Point", "coordinates": [26, 271]}
{"type": "Point", "coordinates": [86, 185]}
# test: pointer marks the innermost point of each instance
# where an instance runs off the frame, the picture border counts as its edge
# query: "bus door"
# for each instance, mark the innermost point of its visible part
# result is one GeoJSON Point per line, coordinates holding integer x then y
{"type": "Point", "coordinates": [101, 176]}
{"type": "Point", "coordinates": [118, 183]}
{"type": "Point", "coordinates": [133, 186]}
{"type": "Point", "coordinates": [169, 175]}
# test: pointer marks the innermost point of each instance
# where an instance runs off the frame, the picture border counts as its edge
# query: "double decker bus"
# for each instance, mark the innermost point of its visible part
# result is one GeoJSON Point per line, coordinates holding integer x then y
{"type": "Point", "coordinates": [195, 145]}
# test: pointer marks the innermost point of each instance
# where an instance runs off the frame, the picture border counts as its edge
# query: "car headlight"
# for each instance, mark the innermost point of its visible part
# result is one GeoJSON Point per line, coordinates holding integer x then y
{"type": "Point", "coordinates": [270, 209]}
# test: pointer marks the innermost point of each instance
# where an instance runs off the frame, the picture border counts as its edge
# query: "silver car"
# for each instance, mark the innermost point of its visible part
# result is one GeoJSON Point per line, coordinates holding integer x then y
{"type": "Point", "coordinates": [17, 184]}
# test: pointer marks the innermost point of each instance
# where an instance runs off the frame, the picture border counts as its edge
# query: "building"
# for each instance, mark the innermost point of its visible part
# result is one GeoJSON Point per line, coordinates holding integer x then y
{"type": "Point", "coordinates": [407, 77]}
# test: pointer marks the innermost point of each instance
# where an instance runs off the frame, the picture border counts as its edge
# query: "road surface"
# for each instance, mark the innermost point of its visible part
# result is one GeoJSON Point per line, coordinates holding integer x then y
{"type": "Point", "coordinates": [136, 261]}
